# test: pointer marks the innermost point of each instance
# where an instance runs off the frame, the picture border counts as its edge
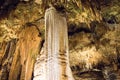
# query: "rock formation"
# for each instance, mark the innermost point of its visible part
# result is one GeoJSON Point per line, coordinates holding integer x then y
{"type": "Point", "coordinates": [55, 64]}
{"type": "Point", "coordinates": [93, 37]}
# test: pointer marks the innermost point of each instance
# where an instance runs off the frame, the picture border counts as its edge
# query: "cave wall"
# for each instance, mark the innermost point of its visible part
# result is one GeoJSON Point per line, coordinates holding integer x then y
{"type": "Point", "coordinates": [6, 55]}
{"type": "Point", "coordinates": [93, 44]}
{"type": "Point", "coordinates": [19, 55]}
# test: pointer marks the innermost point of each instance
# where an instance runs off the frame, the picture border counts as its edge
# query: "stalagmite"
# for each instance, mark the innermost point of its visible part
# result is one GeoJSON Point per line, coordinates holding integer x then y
{"type": "Point", "coordinates": [56, 65]}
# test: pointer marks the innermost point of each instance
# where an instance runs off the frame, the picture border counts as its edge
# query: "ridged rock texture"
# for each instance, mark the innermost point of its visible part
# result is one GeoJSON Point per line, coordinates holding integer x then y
{"type": "Point", "coordinates": [19, 55]}
{"type": "Point", "coordinates": [6, 55]}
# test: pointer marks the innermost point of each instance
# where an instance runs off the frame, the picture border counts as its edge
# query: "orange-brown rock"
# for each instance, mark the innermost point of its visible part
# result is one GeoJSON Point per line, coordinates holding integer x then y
{"type": "Point", "coordinates": [27, 48]}
{"type": "Point", "coordinates": [7, 50]}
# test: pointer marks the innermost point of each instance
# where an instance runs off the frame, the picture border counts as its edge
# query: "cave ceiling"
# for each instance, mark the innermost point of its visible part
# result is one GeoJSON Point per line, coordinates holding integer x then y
{"type": "Point", "coordinates": [16, 14]}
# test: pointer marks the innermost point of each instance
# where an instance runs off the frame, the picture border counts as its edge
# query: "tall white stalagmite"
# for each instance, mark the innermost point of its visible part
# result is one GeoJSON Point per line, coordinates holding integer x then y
{"type": "Point", "coordinates": [56, 65]}
{"type": "Point", "coordinates": [56, 46]}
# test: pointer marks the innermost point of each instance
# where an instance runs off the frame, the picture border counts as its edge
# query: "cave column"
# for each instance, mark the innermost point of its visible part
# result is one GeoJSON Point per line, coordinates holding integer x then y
{"type": "Point", "coordinates": [56, 46]}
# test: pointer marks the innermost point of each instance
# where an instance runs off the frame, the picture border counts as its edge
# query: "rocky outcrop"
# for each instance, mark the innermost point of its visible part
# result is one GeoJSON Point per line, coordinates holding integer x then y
{"type": "Point", "coordinates": [94, 51]}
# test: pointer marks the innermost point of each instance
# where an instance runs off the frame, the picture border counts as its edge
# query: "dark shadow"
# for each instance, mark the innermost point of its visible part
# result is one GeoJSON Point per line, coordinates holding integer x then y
{"type": "Point", "coordinates": [73, 28]}
{"type": "Point", "coordinates": [6, 6]}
